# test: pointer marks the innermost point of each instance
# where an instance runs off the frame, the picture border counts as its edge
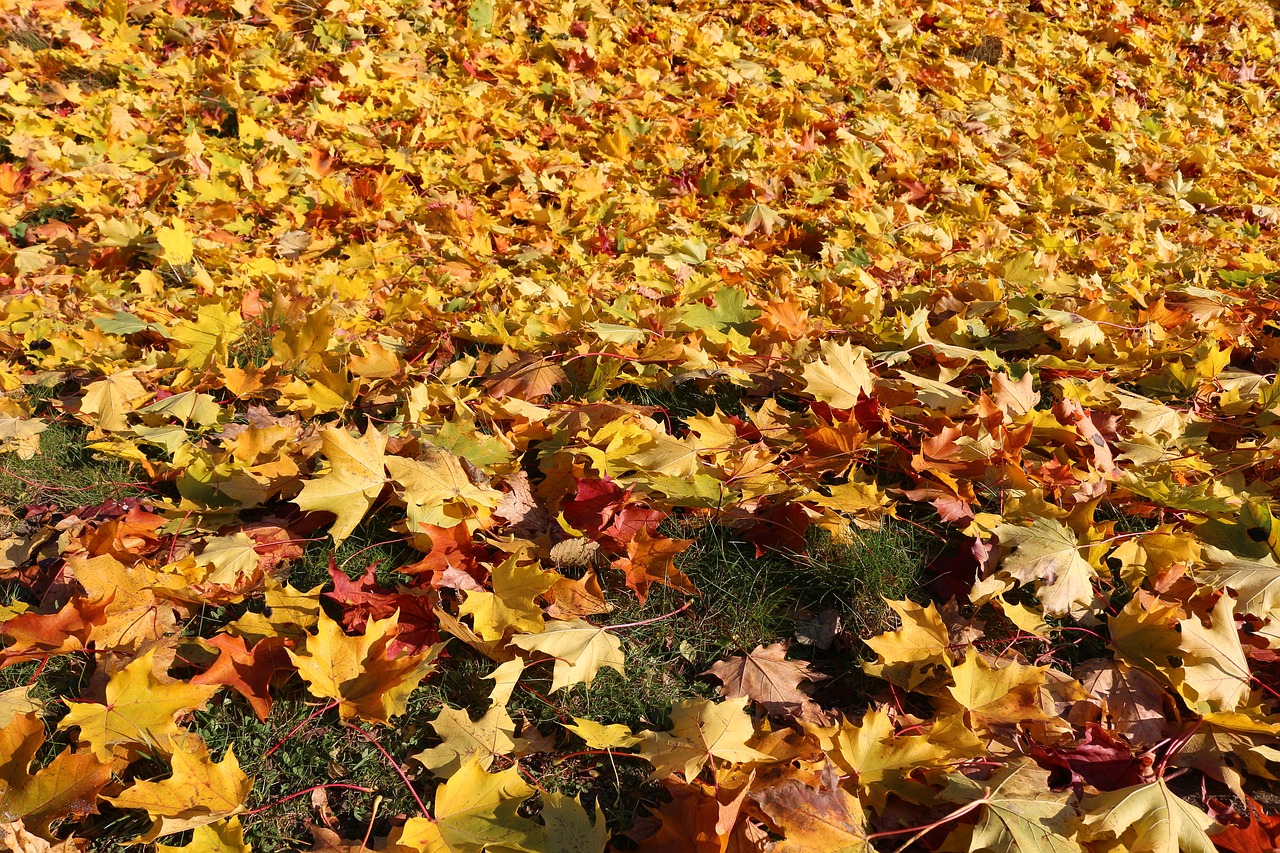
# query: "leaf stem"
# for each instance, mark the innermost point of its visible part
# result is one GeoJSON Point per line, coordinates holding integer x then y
{"type": "Point", "coordinates": [394, 766]}
{"type": "Point", "coordinates": [297, 794]}
{"type": "Point", "coordinates": [609, 752]}
{"type": "Point", "coordinates": [921, 831]}
{"type": "Point", "coordinates": [295, 729]}
{"type": "Point", "coordinates": [686, 606]}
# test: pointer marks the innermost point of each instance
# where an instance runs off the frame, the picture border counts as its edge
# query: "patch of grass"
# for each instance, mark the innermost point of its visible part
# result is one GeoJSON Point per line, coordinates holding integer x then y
{"type": "Point", "coordinates": [320, 752]}
{"type": "Point", "coordinates": [66, 474]}
{"type": "Point", "coordinates": [373, 541]}
{"type": "Point", "coordinates": [745, 601]}
{"type": "Point", "coordinates": [681, 400]}
{"type": "Point", "coordinates": [62, 677]}
{"type": "Point", "coordinates": [253, 348]}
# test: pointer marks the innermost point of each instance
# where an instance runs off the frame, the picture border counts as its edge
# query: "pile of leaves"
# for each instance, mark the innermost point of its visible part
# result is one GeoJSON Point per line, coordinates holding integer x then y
{"type": "Point", "coordinates": [1005, 270]}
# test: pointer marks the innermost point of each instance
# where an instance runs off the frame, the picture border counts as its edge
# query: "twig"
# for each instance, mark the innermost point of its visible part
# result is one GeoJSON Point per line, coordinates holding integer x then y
{"type": "Point", "coordinates": [297, 794]}
{"type": "Point", "coordinates": [687, 605]}
{"type": "Point", "coordinates": [395, 766]}
{"type": "Point", "coordinates": [295, 729]}
{"type": "Point", "coordinates": [364, 842]}
{"type": "Point", "coordinates": [921, 831]}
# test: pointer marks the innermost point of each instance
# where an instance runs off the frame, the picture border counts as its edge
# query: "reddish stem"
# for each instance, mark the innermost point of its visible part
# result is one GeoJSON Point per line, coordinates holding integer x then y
{"type": "Point", "coordinates": [39, 669]}
{"type": "Point", "coordinates": [687, 605]}
{"type": "Point", "coordinates": [173, 543]}
{"type": "Point", "coordinates": [395, 766]}
{"type": "Point", "coordinates": [1263, 685]}
{"type": "Point", "coordinates": [608, 752]}
{"type": "Point", "coordinates": [297, 794]}
{"type": "Point", "coordinates": [1175, 746]}
{"type": "Point", "coordinates": [929, 827]}
{"type": "Point", "coordinates": [317, 712]}
{"type": "Point", "coordinates": [343, 564]}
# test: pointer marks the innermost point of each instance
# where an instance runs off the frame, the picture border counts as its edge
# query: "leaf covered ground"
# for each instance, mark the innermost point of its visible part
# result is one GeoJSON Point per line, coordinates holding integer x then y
{"type": "Point", "coordinates": [502, 425]}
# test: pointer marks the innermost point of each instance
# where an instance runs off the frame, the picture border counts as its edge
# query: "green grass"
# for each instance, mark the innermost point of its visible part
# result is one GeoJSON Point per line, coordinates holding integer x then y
{"type": "Point", "coordinates": [373, 541]}
{"type": "Point", "coordinates": [320, 752]}
{"type": "Point", "coordinates": [681, 400]}
{"type": "Point", "coordinates": [253, 348]}
{"type": "Point", "coordinates": [65, 474]}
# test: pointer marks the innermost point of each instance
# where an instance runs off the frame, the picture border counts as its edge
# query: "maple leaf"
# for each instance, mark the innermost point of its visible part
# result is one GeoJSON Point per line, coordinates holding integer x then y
{"type": "Point", "coordinates": [1214, 675]}
{"type": "Point", "coordinates": [111, 399]}
{"type": "Point", "coordinates": [1148, 818]}
{"type": "Point", "coordinates": [364, 599]}
{"type": "Point", "coordinates": [840, 376]}
{"type": "Point", "coordinates": [1261, 832]}
{"type": "Point", "coordinates": [992, 697]}
{"type": "Point", "coordinates": [917, 652]}
{"type": "Point", "coordinates": [233, 559]}
{"type": "Point", "coordinates": [355, 478]}
{"type": "Point", "coordinates": [35, 636]}
{"type": "Point", "coordinates": [198, 793]}
{"type": "Point", "coordinates": [1047, 553]}
{"type": "Point", "coordinates": [67, 787]}
{"type": "Point", "coordinates": [1130, 699]}
{"type": "Point", "coordinates": [698, 821]}
{"type": "Point", "coordinates": [1229, 745]}
{"type": "Point", "coordinates": [652, 560]}
{"type": "Point", "coordinates": [289, 613]}
{"type": "Point", "coordinates": [872, 753]}
{"type": "Point", "coordinates": [21, 436]}
{"type": "Point", "coordinates": [438, 490]}
{"type": "Point", "coordinates": [453, 555]}
{"type": "Point", "coordinates": [141, 709]}
{"type": "Point", "coordinates": [766, 676]}
{"type": "Point", "coordinates": [484, 740]}
{"type": "Point", "coordinates": [516, 583]}
{"type": "Point", "coordinates": [474, 810]}
{"type": "Point", "coordinates": [1256, 583]}
{"type": "Point", "coordinates": [575, 599]}
{"type": "Point", "coordinates": [598, 736]}
{"type": "Point", "coordinates": [569, 829]}
{"type": "Point", "coordinates": [1018, 811]}
{"type": "Point", "coordinates": [135, 615]}
{"type": "Point", "coordinates": [701, 730]}
{"type": "Point", "coordinates": [1100, 760]}
{"type": "Point", "coordinates": [15, 837]}
{"type": "Point", "coordinates": [222, 836]}
{"type": "Point", "coordinates": [248, 672]}
{"type": "Point", "coordinates": [579, 648]}
{"type": "Point", "coordinates": [356, 673]}
{"type": "Point", "coordinates": [826, 818]}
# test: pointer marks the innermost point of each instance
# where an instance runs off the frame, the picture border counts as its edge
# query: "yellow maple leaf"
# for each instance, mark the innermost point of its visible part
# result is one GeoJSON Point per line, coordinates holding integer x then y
{"type": "Point", "coordinates": [356, 673]}
{"type": "Point", "coordinates": [485, 739]}
{"type": "Point", "coordinates": [839, 376]}
{"type": "Point", "coordinates": [111, 399]}
{"type": "Point", "coordinates": [437, 490]}
{"type": "Point", "coordinates": [511, 604]}
{"type": "Point", "coordinates": [702, 729]}
{"type": "Point", "coordinates": [176, 243]}
{"type": "Point", "coordinates": [140, 709]}
{"type": "Point", "coordinates": [580, 650]}
{"type": "Point", "coordinates": [198, 793]}
{"type": "Point", "coordinates": [222, 836]}
{"type": "Point", "coordinates": [356, 475]}
{"type": "Point", "coordinates": [914, 654]}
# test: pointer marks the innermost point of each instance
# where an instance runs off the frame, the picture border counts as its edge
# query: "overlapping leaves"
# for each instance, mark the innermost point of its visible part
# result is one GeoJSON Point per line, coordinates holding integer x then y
{"type": "Point", "coordinates": [1007, 269]}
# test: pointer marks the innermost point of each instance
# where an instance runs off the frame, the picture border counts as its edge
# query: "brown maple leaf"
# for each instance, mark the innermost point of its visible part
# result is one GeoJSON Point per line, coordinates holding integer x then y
{"type": "Point", "coordinates": [767, 677]}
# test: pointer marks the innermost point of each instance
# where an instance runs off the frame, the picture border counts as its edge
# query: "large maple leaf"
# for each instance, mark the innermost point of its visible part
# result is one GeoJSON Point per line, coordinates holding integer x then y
{"type": "Point", "coordinates": [353, 482]}
{"type": "Point", "coordinates": [356, 673]}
